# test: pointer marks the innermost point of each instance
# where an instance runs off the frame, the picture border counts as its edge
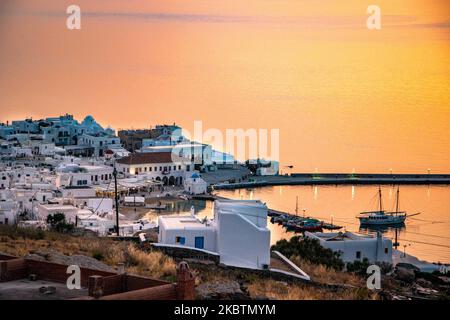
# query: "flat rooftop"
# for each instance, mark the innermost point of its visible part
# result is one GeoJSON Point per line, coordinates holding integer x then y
{"type": "Point", "coordinates": [339, 236]}
{"type": "Point", "coordinates": [183, 222]}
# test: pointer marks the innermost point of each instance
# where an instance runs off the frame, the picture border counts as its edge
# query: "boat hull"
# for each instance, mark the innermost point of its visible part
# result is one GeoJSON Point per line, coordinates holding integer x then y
{"type": "Point", "coordinates": [382, 222]}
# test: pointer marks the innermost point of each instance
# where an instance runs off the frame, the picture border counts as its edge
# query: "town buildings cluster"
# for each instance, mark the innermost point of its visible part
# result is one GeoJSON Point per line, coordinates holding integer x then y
{"type": "Point", "coordinates": [61, 165]}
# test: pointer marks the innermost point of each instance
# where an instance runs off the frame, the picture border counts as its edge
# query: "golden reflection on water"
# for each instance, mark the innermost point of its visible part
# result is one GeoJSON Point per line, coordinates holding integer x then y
{"type": "Point", "coordinates": [426, 235]}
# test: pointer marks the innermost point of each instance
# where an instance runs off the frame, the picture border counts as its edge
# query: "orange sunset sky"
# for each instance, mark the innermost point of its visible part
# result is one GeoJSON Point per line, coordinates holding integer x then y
{"type": "Point", "coordinates": [342, 96]}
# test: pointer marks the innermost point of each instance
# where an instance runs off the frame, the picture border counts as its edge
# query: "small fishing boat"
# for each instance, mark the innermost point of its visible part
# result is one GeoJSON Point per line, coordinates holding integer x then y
{"type": "Point", "coordinates": [384, 218]}
{"type": "Point", "coordinates": [309, 224]}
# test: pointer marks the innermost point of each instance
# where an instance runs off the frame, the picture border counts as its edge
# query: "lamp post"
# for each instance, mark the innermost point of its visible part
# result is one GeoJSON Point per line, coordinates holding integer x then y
{"type": "Point", "coordinates": [117, 200]}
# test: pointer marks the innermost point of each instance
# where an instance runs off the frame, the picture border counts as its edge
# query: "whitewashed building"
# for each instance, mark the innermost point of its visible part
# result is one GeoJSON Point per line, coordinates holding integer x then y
{"type": "Point", "coordinates": [238, 233]}
{"type": "Point", "coordinates": [76, 175]}
{"type": "Point", "coordinates": [194, 184]}
{"type": "Point", "coordinates": [199, 153]}
{"type": "Point", "coordinates": [158, 166]}
{"type": "Point", "coordinates": [8, 207]}
{"type": "Point", "coordinates": [69, 211]}
{"type": "Point", "coordinates": [354, 247]}
{"type": "Point", "coordinates": [100, 141]}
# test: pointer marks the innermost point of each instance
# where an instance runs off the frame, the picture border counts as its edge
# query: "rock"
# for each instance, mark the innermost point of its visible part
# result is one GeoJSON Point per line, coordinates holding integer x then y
{"type": "Point", "coordinates": [424, 291]}
{"type": "Point", "coordinates": [76, 259]}
{"type": "Point", "coordinates": [405, 265]}
{"type": "Point", "coordinates": [406, 275]}
{"type": "Point", "coordinates": [47, 290]}
{"type": "Point", "coordinates": [445, 279]}
{"type": "Point", "coordinates": [424, 283]}
{"type": "Point", "coordinates": [220, 290]}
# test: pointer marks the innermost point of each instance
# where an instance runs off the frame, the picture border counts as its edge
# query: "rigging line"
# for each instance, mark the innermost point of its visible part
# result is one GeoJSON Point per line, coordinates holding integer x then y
{"type": "Point", "coordinates": [426, 234]}
{"type": "Point", "coordinates": [431, 221]}
{"type": "Point", "coordinates": [427, 243]}
{"type": "Point", "coordinates": [103, 197]}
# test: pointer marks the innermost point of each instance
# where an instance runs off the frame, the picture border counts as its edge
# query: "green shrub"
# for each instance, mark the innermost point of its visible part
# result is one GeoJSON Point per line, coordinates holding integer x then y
{"type": "Point", "coordinates": [309, 250]}
{"type": "Point", "coordinates": [98, 256]}
{"type": "Point", "coordinates": [359, 267]}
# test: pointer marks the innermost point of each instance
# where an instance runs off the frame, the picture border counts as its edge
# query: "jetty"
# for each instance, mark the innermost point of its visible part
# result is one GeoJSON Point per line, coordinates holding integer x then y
{"type": "Point", "coordinates": [297, 223]}
{"type": "Point", "coordinates": [338, 179]}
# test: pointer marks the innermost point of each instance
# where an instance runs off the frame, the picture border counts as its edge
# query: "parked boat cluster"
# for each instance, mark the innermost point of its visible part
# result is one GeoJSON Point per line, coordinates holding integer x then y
{"type": "Point", "coordinates": [300, 224]}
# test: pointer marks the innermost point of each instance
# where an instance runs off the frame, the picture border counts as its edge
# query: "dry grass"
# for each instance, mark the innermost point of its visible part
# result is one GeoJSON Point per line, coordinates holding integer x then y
{"type": "Point", "coordinates": [354, 286]}
{"type": "Point", "coordinates": [153, 264]}
{"type": "Point", "coordinates": [282, 291]}
{"type": "Point", "coordinates": [323, 274]}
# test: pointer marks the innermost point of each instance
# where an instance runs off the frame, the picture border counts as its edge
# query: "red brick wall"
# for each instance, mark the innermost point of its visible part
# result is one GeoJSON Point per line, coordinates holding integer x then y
{"type": "Point", "coordinates": [136, 283]}
{"type": "Point", "coordinates": [164, 292]}
{"type": "Point", "coordinates": [57, 272]}
{"type": "Point", "coordinates": [114, 284]}
{"type": "Point", "coordinates": [13, 269]}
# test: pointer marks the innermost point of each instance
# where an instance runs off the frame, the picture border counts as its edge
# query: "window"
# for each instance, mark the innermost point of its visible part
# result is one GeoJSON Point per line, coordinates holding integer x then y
{"type": "Point", "coordinates": [180, 240]}
{"type": "Point", "coordinates": [150, 169]}
{"type": "Point", "coordinates": [199, 242]}
{"type": "Point", "coordinates": [179, 167]}
{"type": "Point", "coordinates": [386, 250]}
{"type": "Point", "coordinates": [358, 254]}
{"type": "Point", "coordinates": [188, 168]}
{"type": "Point", "coordinates": [174, 168]}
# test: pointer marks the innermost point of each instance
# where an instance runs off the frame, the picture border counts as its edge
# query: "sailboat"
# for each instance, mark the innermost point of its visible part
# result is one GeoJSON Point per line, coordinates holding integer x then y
{"type": "Point", "coordinates": [381, 217]}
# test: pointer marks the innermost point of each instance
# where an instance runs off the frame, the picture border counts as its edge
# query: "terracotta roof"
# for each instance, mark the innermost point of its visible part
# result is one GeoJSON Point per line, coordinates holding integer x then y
{"type": "Point", "coordinates": [147, 157]}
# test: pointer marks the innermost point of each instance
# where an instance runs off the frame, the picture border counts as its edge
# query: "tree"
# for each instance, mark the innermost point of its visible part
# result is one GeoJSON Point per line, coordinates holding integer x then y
{"type": "Point", "coordinates": [57, 222]}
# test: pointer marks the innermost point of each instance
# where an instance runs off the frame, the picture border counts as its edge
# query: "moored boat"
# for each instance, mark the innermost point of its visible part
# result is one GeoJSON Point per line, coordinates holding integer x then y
{"type": "Point", "coordinates": [381, 217]}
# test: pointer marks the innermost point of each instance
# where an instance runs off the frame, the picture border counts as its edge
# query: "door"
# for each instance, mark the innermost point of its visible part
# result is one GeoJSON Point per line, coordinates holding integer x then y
{"type": "Point", "coordinates": [199, 242]}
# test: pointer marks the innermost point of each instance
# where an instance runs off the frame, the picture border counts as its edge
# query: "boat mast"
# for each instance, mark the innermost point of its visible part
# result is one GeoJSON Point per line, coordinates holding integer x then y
{"type": "Point", "coordinates": [398, 194]}
{"type": "Point", "coordinates": [381, 202]}
{"type": "Point", "coordinates": [296, 206]}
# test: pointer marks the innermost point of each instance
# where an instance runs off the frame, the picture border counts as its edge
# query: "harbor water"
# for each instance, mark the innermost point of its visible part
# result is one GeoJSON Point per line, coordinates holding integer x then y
{"type": "Point", "coordinates": [426, 235]}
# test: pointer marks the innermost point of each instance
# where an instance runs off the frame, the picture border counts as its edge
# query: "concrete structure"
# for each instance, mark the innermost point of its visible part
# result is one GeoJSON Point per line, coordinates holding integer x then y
{"type": "Point", "coordinates": [23, 279]}
{"type": "Point", "coordinates": [158, 166]}
{"type": "Point", "coordinates": [200, 154]}
{"type": "Point", "coordinates": [271, 169]}
{"type": "Point", "coordinates": [100, 141]}
{"type": "Point", "coordinates": [75, 175]}
{"type": "Point", "coordinates": [8, 211]}
{"type": "Point", "coordinates": [355, 247]}
{"type": "Point", "coordinates": [134, 139]}
{"type": "Point", "coordinates": [68, 210]}
{"type": "Point", "coordinates": [238, 233]}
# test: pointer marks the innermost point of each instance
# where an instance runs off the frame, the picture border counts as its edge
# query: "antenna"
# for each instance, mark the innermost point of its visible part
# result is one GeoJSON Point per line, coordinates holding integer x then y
{"type": "Point", "coordinates": [296, 206]}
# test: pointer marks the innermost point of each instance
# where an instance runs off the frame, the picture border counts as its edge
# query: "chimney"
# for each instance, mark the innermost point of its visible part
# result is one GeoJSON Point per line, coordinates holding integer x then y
{"type": "Point", "coordinates": [185, 282]}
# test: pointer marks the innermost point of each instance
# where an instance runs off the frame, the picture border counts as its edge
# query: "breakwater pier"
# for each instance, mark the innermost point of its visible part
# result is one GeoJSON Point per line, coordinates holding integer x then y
{"type": "Point", "coordinates": [338, 179]}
